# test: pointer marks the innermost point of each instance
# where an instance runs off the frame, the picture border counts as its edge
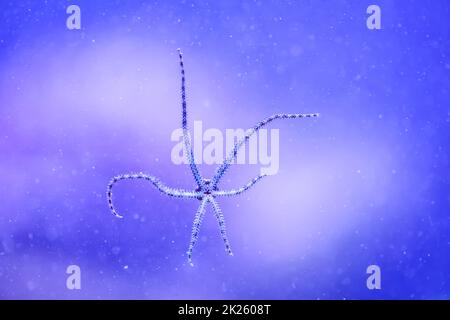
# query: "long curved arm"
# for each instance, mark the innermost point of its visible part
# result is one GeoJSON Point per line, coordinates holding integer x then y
{"type": "Point", "coordinates": [179, 193]}
{"type": "Point", "coordinates": [196, 227]}
{"type": "Point", "coordinates": [240, 190]}
{"type": "Point", "coordinates": [221, 220]}
{"type": "Point", "coordinates": [186, 137]}
{"type": "Point", "coordinates": [250, 132]}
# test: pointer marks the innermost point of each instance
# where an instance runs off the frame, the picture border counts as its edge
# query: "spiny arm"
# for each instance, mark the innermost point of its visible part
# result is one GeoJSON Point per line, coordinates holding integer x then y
{"type": "Point", "coordinates": [221, 220]}
{"type": "Point", "coordinates": [240, 190]}
{"type": "Point", "coordinates": [186, 137]}
{"type": "Point", "coordinates": [250, 132]}
{"type": "Point", "coordinates": [179, 193]}
{"type": "Point", "coordinates": [196, 227]}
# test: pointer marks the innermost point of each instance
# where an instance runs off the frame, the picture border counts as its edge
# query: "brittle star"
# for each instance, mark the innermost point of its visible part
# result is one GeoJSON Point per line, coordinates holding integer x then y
{"type": "Point", "coordinates": [207, 189]}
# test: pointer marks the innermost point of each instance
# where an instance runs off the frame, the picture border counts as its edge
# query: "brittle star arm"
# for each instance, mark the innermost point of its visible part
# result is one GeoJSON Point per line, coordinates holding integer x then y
{"type": "Point", "coordinates": [233, 192]}
{"type": "Point", "coordinates": [250, 132]}
{"type": "Point", "coordinates": [196, 227]}
{"type": "Point", "coordinates": [221, 220]}
{"type": "Point", "coordinates": [179, 193]}
{"type": "Point", "coordinates": [186, 137]}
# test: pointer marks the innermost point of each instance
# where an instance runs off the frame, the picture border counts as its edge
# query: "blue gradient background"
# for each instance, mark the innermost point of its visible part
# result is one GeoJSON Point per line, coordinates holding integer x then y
{"type": "Point", "coordinates": [367, 183]}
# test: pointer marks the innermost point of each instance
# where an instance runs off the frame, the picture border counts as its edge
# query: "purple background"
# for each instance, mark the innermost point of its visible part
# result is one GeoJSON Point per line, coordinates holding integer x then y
{"type": "Point", "coordinates": [367, 183]}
